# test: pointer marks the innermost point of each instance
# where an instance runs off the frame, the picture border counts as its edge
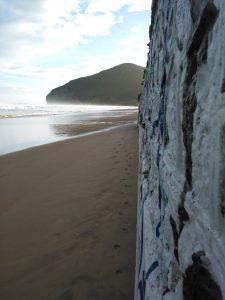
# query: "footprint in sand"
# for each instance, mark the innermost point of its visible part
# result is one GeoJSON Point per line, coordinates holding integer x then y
{"type": "Point", "coordinates": [57, 234]}
{"type": "Point", "coordinates": [100, 195]}
{"type": "Point", "coordinates": [67, 295]}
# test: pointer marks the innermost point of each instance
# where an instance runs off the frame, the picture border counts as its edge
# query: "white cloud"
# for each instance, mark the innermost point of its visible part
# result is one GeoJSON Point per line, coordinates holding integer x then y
{"type": "Point", "coordinates": [94, 25]}
{"type": "Point", "coordinates": [57, 25]}
{"type": "Point", "coordinates": [69, 34]}
{"type": "Point", "coordinates": [55, 9]}
{"type": "Point", "coordinates": [140, 5]}
{"type": "Point", "coordinates": [44, 27]}
{"type": "Point", "coordinates": [96, 6]}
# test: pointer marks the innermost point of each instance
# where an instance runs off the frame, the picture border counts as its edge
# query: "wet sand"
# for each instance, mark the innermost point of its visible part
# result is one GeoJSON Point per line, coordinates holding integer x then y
{"type": "Point", "coordinates": [68, 219]}
{"type": "Point", "coordinates": [94, 125]}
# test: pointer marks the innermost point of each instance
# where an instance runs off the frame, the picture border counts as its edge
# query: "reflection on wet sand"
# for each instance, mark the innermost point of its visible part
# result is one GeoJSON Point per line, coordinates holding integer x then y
{"type": "Point", "coordinates": [70, 130]}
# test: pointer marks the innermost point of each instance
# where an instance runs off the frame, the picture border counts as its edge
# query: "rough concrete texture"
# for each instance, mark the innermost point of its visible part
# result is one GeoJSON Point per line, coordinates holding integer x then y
{"type": "Point", "coordinates": [181, 208]}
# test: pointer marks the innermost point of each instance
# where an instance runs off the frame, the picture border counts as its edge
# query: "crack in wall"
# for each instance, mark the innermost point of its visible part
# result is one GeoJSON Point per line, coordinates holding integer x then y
{"type": "Point", "coordinates": [222, 172]}
{"type": "Point", "coordinates": [196, 55]}
{"type": "Point", "coordinates": [199, 40]}
{"type": "Point", "coordinates": [175, 237]}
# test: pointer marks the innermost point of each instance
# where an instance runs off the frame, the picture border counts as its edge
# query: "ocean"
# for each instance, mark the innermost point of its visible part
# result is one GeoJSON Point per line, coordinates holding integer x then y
{"type": "Point", "coordinates": [23, 126]}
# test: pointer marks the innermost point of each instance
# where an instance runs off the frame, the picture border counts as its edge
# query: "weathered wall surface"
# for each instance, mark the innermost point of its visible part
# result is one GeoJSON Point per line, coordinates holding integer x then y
{"type": "Point", "coordinates": [181, 209]}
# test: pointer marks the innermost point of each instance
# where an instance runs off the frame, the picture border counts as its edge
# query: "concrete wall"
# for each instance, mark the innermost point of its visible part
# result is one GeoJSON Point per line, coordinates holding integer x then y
{"type": "Point", "coordinates": [181, 208]}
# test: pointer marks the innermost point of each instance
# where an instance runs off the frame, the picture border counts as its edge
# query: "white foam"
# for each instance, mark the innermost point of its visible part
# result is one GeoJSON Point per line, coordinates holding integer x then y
{"type": "Point", "coordinates": [25, 110]}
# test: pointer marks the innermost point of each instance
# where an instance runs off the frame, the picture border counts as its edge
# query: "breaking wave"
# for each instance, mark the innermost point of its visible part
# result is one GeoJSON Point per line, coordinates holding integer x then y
{"type": "Point", "coordinates": [26, 110]}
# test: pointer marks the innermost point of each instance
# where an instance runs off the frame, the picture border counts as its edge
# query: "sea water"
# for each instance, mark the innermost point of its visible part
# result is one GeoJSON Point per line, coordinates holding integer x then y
{"type": "Point", "coordinates": [23, 126]}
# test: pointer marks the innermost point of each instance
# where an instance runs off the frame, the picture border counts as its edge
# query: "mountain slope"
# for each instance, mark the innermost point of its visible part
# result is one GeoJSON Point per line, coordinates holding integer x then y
{"type": "Point", "coordinates": [119, 85]}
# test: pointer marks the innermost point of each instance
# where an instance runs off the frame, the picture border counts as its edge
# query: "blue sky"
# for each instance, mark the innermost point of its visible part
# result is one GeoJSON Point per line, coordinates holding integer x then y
{"type": "Point", "coordinates": [46, 43]}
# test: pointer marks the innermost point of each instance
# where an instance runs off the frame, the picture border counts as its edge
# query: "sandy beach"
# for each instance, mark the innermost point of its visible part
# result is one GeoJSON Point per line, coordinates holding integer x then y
{"type": "Point", "coordinates": [68, 219]}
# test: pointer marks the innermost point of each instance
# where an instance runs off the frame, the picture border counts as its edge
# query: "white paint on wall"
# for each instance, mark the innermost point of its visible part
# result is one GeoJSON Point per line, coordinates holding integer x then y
{"type": "Point", "coordinates": [181, 207]}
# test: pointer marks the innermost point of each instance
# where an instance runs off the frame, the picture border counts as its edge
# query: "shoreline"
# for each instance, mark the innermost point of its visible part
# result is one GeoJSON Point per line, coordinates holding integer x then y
{"type": "Point", "coordinates": [68, 218]}
{"type": "Point", "coordinates": [67, 112]}
{"type": "Point", "coordinates": [63, 132]}
{"type": "Point", "coordinates": [80, 135]}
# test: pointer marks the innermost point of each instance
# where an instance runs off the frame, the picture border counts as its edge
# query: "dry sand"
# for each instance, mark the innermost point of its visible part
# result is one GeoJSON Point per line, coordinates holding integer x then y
{"type": "Point", "coordinates": [68, 219]}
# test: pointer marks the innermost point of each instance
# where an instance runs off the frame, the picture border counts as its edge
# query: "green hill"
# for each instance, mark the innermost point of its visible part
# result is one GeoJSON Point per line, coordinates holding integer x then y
{"type": "Point", "coordinates": [119, 85]}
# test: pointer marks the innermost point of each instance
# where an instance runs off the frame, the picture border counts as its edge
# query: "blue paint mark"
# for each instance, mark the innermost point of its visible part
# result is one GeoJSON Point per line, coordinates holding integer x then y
{"type": "Point", "coordinates": [161, 115]}
{"type": "Point", "coordinates": [157, 229]}
{"type": "Point", "coordinates": [160, 197]}
{"type": "Point", "coordinates": [158, 156]}
{"type": "Point", "coordinates": [142, 286]}
{"type": "Point", "coordinates": [142, 202]}
{"type": "Point", "coordinates": [152, 268]}
{"type": "Point", "coordinates": [145, 196]}
{"type": "Point", "coordinates": [141, 209]}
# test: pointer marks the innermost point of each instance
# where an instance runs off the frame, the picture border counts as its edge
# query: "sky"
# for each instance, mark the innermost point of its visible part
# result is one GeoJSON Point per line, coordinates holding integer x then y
{"type": "Point", "coordinates": [46, 43]}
